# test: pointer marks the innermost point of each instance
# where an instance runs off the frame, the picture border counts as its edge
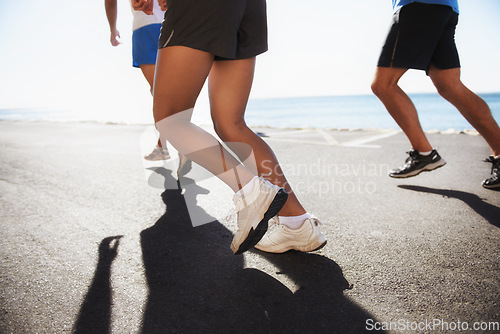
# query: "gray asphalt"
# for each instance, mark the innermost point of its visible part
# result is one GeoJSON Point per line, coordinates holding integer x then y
{"type": "Point", "coordinates": [93, 242]}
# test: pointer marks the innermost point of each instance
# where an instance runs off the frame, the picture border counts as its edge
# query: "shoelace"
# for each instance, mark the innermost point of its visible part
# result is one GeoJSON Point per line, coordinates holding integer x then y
{"type": "Point", "coordinates": [495, 164]}
{"type": "Point", "coordinates": [413, 156]}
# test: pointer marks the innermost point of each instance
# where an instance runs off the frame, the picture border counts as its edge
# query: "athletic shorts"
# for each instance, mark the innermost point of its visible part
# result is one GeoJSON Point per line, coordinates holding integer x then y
{"type": "Point", "coordinates": [145, 44]}
{"type": "Point", "coordinates": [421, 35]}
{"type": "Point", "coordinates": [229, 29]}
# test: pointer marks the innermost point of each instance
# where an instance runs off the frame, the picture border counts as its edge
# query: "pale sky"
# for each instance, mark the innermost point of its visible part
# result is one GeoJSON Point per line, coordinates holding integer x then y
{"type": "Point", "coordinates": [56, 54]}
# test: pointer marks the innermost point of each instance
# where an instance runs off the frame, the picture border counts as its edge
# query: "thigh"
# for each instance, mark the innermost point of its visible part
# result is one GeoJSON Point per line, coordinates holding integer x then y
{"type": "Point", "coordinates": [448, 82]}
{"type": "Point", "coordinates": [179, 78]}
{"type": "Point", "coordinates": [388, 76]}
{"type": "Point", "coordinates": [229, 87]}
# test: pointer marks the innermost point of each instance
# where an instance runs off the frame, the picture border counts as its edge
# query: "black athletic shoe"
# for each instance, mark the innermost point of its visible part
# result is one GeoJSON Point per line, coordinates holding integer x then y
{"type": "Point", "coordinates": [494, 181]}
{"type": "Point", "coordinates": [417, 163]}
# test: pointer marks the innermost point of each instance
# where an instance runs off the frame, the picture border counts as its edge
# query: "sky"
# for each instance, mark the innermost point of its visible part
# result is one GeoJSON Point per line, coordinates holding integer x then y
{"type": "Point", "coordinates": [56, 55]}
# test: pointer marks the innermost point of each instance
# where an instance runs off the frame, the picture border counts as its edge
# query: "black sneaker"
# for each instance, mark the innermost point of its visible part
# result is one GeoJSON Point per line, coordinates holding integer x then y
{"type": "Point", "coordinates": [417, 163]}
{"type": "Point", "coordinates": [494, 181]}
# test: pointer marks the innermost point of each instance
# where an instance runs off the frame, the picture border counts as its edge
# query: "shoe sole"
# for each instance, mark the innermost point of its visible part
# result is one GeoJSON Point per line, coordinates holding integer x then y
{"type": "Point", "coordinates": [495, 187]}
{"type": "Point", "coordinates": [254, 235]}
{"type": "Point", "coordinates": [321, 246]}
{"type": "Point", "coordinates": [156, 159]}
{"type": "Point", "coordinates": [427, 168]}
{"type": "Point", "coordinates": [289, 248]}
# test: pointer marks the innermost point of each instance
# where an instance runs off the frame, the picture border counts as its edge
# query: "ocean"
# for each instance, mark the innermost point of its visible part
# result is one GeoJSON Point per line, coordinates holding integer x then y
{"type": "Point", "coordinates": [325, 112]}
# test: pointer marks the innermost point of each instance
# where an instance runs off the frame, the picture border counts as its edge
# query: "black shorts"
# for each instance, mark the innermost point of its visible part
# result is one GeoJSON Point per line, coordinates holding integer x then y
{"type": "Point", "coordinates": [229, 29]}
{"type": "Point", "coordinates": [421, 35]}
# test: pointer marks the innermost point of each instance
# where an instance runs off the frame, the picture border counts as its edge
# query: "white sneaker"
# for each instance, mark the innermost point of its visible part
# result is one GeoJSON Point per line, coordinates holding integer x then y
{"type": "Point", "coordinates": [254, 211]}
{"type": "Point", "coordinates": [280, 238]}
{"type": "Point", "coordinates": [159, 153]}
{"type": "Point", "coordinates": [185, 165]}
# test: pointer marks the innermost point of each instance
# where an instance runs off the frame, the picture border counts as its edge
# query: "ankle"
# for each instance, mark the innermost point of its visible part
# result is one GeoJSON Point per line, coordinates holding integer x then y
{"type": "Point", "coordinates": [425, 154]}
{"type": "Point", "coordinates": [424, 149]}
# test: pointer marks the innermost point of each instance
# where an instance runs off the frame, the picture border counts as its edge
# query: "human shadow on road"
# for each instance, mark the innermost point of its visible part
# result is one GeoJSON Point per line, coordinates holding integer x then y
{"type": "Point", "coordinates": [95, 312]}
{"type": "Point", "coordinates": [486, 210]}
{"type": "Point", "coordinates": [197, 285]}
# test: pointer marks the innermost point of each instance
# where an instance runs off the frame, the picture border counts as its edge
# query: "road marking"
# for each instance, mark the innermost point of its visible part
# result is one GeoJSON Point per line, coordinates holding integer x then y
{"type": "Point", "coordinates": [329, 140]}
{"type": "Point", "coordinates": [284, 133]}
{"type": "Point", "coordinates": [328, 137]}
{"type": "Point", "coordinates": [362, 142]}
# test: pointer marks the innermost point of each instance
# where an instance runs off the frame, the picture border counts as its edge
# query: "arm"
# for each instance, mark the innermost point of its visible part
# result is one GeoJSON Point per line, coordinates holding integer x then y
{"type": "Point", "coordinates": [111, 14]}
{"type": "Point", "coordinates": [145, 5]}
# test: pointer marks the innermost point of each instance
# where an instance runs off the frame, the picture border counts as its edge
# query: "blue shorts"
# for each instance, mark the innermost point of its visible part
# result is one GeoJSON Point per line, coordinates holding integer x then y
{"type": "Point", "coordinates": [145, 44]}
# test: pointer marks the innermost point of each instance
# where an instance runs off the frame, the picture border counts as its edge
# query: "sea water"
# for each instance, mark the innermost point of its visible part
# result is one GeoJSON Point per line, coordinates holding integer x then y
{"type": "Point", "coordinates": [358, 112]}
{"type": "Point", "coordinates": [326, 112]}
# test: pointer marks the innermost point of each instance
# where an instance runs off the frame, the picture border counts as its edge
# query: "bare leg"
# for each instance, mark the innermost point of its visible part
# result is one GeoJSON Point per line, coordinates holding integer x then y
{"type": "Point", "coordinates": [229, 88]}
{"type": "Point", "coordinates": [180, 75]}
{"type": "Point", "coordinates": [148, 70]}
{"type": "Point", "coordinates": [471, 106]}
{"type": "Point", "coordinates": [398, 104]}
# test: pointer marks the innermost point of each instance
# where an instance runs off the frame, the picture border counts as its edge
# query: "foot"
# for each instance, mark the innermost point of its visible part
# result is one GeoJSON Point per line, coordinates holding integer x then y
{"type": "Point", "coordinates": [417, 163]}
{"type": "Point", "coordinates": [185, 165]}
{"type": "Point", "coordinates": [254, 212]}
{"type": "Point", "coordinates": [279, 238]}
{"type": "Point", "coordinates": [159, 153]}
{"type": "Point", "coordinates": [494, 181]}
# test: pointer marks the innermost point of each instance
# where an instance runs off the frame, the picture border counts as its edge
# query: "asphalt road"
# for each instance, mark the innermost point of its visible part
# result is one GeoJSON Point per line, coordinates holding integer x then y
{"type": "Point", "coordinates": [94, 240]}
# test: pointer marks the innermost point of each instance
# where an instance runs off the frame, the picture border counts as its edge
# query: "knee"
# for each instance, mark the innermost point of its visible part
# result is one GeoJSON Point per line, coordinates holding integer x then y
{"type": "Point", "coordinates": [169, 123]}
{"type": "Point", "coordinates": [380, 88]}
{"type": "Point", "coordinates": [230, 130]}
{"type": "Point", "coordinates": [443, 90]}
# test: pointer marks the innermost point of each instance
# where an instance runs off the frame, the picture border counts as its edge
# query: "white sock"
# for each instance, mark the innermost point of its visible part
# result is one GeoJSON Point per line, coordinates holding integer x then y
{"type": "Point", "coordinates": [294, 222]}
{"type": "Point", "coordinates": [425, 154]}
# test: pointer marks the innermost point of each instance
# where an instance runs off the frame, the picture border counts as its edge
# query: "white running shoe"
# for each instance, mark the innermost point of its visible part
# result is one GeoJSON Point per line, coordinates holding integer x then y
{"type": "Point", "coordinates": [159, 153]}
{"type": "Point", "coordinates": [185, 165]}
{"type": "Point", "coordinates": [280, 238]}
{"type": "Point", "coordinates": [254, 211]}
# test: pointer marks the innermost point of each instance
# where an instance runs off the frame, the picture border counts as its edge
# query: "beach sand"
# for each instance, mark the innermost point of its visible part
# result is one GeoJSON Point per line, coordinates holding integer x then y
{"type": "Point", "coordinates": [91, 240]}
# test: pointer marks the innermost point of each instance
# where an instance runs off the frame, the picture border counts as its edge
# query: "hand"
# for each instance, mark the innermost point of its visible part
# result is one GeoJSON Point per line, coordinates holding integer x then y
{"type": "Point", "coordinates": [163, 4]}
{"type": "Point", "coordinates": [144, 5]}
{"type": "Point", "coordinates": [108, 249]}
{"type": "Point", "coordinates": [115, 38]}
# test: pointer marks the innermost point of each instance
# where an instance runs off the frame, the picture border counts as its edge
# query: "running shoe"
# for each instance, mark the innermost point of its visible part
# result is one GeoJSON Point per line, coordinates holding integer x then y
{"type": "Point", "coordinates": [254, 212]}
{"type": "Point", "coordinates": [280, 238]}
{"type": "Point", "coordinates": [494, 181]}
{"type": "Point", "coordinates": [185, 165]}
{"type": "Point", "coordinates": [417, 163]}
{"type": "Point", "coordinates": [159, 153]}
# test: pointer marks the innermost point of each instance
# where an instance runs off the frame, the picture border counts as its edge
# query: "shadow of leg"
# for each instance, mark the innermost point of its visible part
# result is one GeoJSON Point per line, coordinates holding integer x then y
{"type": "Point", "coordinates": [197, 285]}
{"type": "Point", "coordinates": [319, 304]}
{"type": "Point", "coordinates": [488, 211]}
